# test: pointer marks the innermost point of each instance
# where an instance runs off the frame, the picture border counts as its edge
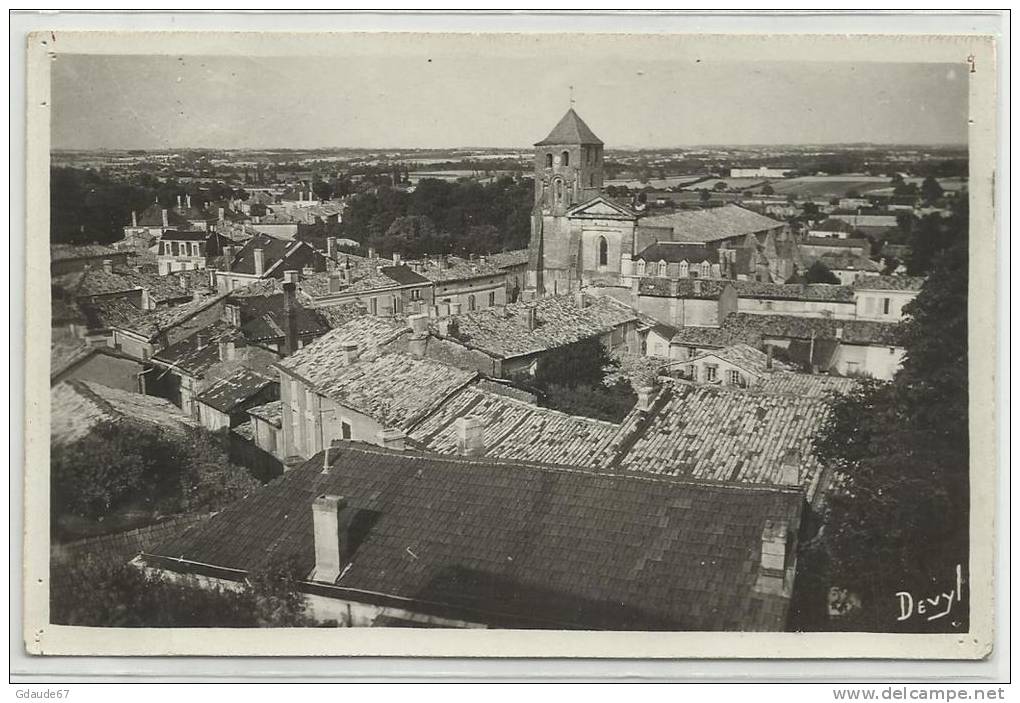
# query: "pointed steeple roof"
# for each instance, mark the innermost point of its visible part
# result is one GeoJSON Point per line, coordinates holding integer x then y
{"type": "Point", "coordinates": [571, 130]}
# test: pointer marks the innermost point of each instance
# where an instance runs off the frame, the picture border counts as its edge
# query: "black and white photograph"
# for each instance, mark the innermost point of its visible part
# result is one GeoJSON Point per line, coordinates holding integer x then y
{"type": "Point", "coordinates": [517, 332]}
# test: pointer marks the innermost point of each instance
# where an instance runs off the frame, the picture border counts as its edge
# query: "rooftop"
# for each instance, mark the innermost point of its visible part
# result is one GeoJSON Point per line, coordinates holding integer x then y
{"type": "Point", "coordinates": [750, 326]}
{"type": "Point", "coordinates": [905, 283]}
{"type": "Point", "coordinates": [71, 252]}
{"type": "Point", "coordinates": [77, 406]}
{"type": "Point", "coordinates": [711, 224]}
{"type": "Point", "coordinates": [262, 318]}
{"type": "Point", "coordinates": [745, 356]}
{"type": "Point", "coordinates": [395, 389]}
{"type": "Point", "coordinates": [188, 356]}
{"type": "Point", "coordinates": [515, 429]}
{"type": "Point", "coordinates": [706, 432]}
{"type": "Point", "coordinates": [507, 259]}
{"type": "Point", "coordinates": [317, 359]}
{"type": "Point", "coordinates": [513, 544]}
{"type": "Point", "coordinates": [559, 321]}
{"type": "Point", "coordinates": [571, 129]}
{"type": "Point", "coordinates": [226, 394]}
{"type": "Point", "coordinates": [675, 252]}
{"type": "Point", "coordinates": [271, 412]}
{"type": "Point", "coordinates": [454, 268]}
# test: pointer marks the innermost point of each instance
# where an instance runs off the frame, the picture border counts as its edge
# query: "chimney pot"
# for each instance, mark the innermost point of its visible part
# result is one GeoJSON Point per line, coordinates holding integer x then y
{"type": "Point", "coordinates": [329, 546]}
{"type": "Point", "coordinates": [134, 218]}
{"type": "Point", "coordinates": [108, 265]}
{"type": "Point", "coordinates": [334, 282]}
{"type": "Point", "coordinates": [289, 276]}
{"type": "Point", "coordinates": [392, 438]}
{"type": "Point", "coordinates": [579, 300]}
{"type": "Point", "coordinates": [396, 259]}
{"type": "Point", "coordinates": [529, 318]}
{"type": "Point", "coordinates": [260, 262]}
{"type": "Point", "coordinates": [419, 324]}
{"type": "Point", "coordinates": [166, 219]}
{"type": "Point", "coordinates": [220, 214]}
{"type": "Point", "coordinates": [470, 435]}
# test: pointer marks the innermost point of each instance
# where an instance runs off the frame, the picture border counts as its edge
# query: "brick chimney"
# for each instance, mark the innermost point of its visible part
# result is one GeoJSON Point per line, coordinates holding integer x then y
{"type": "Point", "coordinates": [334, 282]}
{"type": "Point", "coordinates": [166, 219]}
{"type": "Point", "coordinates": [579, 300]}
{"type": "Point", "coordinates": [773, 547]}
{"type": "Point", "coordinates": [134, 218]}
{"type": "Point", "coordinates": [331, 248]}
{"type": "Point", "coordinates": [371, 252]}
{"type": "Point", "coordinates": [329, 537]}
{"type": "Point", "coordinates": [220, 214]}
{"type": "Point", "coordinates": [470, 435]}
{"type": "Point", "coordinates": [227, 351]}
{"type": "Point", "coordinates": [290, 327]}
{"type": "Point", "coordinates": [396, 259]}
{"type": "Point", "coordinates": [178, 202]}
{"type": "Point", "coordinates": [391, 438]}
{"type": "Point", "coordinates": [419, 324]}
{"type": "Point", "coordinates": [108, 265]}
{"type": "Point", "coordinates": [188, 200]}
{"type": "Point", "coordinates": [348, 353]}
{"type": "Point", "coordinates": [839, 332]}
{"type": "Point", "coordinates": [260, 262]}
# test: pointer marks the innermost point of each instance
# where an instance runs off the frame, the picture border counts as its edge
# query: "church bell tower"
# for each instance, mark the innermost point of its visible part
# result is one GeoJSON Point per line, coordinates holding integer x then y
{"type": "Point", "coordinates": [568, 171]}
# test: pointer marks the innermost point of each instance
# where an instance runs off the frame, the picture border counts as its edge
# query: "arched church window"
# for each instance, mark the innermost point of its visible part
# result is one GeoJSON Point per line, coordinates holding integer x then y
{"type": "Point", "coordinates": [603, 252]}
{"type": "Point", "coordinates": [566, 158]}
{"type": "Point", "coordinates": [558, 190]}
{"type": "Point", "coordinates": [548, 160]}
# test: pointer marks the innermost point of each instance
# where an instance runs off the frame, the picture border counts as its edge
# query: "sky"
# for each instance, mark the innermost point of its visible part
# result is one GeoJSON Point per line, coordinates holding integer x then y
{"type": "Point", "coordinates": [431, 99]}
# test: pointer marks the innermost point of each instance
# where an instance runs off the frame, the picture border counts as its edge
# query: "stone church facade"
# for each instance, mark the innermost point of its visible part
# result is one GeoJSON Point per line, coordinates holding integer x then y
{"type": "Point", "coordinates": [578, 236]}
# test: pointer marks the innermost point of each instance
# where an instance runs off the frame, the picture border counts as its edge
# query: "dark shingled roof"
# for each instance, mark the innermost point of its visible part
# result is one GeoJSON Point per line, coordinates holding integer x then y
{"type": "Point", "coordinates": [186, 355]}
{"type": "Point", "coordinates": [905, 283]}
{"type": "Point", "coordinates": [570, 130]}
{"type": "Point", "coordinates": [262, 318]}
{"type": "Point", "coordinates": [225, 395]}
{"type": "Point", "coordinates": [273, 251]}
{"type": "Point", "coordinates": [404, 275]}
{"type": "Point", "coordinates": [512, 544]}
{"type": "Point", "coordinates": [796, 327]}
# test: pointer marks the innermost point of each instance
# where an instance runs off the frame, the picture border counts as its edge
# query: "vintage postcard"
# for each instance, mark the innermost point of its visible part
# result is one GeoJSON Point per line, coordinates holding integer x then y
{"type": "Point", "coordinates": [572, 345]}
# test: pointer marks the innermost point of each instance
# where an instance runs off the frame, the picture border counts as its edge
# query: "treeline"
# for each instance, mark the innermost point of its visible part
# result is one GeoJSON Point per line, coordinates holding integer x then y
{"type": "Point", "coordinates": [441, 217]}
{"type": "Point", "coordinates": [89, 207]}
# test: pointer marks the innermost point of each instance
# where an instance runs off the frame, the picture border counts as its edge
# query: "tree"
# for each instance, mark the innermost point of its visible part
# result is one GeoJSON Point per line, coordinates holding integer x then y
{"type": "Point", "coordinates": [719, 186]}
{"type": "Point", "coordinates": [931, 190]}
{"type": "Point", "coordinates": [322, 189]}
{"type": "Point", "coordinates": [120, 463]}
{"type": "Point", "coordinates": [93, 593]}
{"type": "Point", "coordinates": [704, 196]}
{"type": "Point", "coordinates": [580, 363]}
{"type": "Point", "coordinates": [818, 272]}
{"type": "Point", "coordinates": [932, 235]}
{"type": "Point", "coordinates": [767, 189]}
{"type": "Point", "coordinates": [898, 521]}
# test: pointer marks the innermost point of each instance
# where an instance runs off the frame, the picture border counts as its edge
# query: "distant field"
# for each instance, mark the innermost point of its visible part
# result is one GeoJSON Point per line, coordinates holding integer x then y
{"type": "Point", "coordinates": [732, 183]}
{"type": "Point", "coordinates": [837, 186]}
{"type": "Point", "coordinates": [656, 183]}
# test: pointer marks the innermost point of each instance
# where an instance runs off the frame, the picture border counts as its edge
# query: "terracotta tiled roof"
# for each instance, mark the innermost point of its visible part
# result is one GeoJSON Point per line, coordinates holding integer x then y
{"type": "Point", "coordinates": [711, 224]}
{"type": "Point", "coordinates": [226, 394]}
{"type": "Point", "coordinates": [315, 360]}
{"type": "Point", "coordinates": [507, 259]}
{"type": "Point", "coordinates": [804, 385]}
{"type": "Point", "coordinates": [457, 269]}
{"type": "Point", "coordinates": [744, 356]}
{"type": "Point", "coordinates": [706, 432]}
{"type": "Point", "coordinates": [571, 129]}
{"type": "Point", "coordinates": [889, 283]}
{"type": "Point", "coordinates": [514, 545]}
{"type": "Point", "coordinates": [560, 322]}
{"type": "Point", "coordinates": [517, 430]}
{"type": "Point", "coordinates": [77, 406]}
{"type": "Point", "coordinates": [187, 356]}
{"type": "Point", "coordinates": [395, 389]}
{"type": "Point", "coordinates": [271, 412]}
{"type": "Point", "coordinates": [753, 326]}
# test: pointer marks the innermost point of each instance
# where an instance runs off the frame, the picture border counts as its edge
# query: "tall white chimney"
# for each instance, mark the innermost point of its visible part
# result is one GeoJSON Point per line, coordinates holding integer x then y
{"type": "Point", "coordinates": [178, 202]}
{"type": "Point", "coordinates": [260, 262]}
{"type": "Point", "coordinates": [166, 219]}
{"type": "Point", "coordinates": [326, 510]}
{"type": "Point", "coordinates": [134, 218]}
{"type": "Point", "coordinates": [470, 435]}
{"type": "Point", "coordinates": [646, 396]}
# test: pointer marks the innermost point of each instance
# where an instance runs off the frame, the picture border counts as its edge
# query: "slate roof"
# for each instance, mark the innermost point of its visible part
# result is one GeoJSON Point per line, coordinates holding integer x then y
{"type": "Point", "coordinates": [65, 354]}
{"type": "Point", "coordinates": [508, 259]}
{"type": "Point", "coordinates": [711, 288]}
{"type": "Point", "coordinates": [186, 355]}
{"type": "Point", "coordinates": [904, 283]}
{"type": "Point", "coordinates": [514, 545]}
{"type": "Point", "coordinates": [274, 251]}
{"type": "Point", "coordinates": [152, 216]}
{"type": "Point", "coordinates": [707, 432]}
{"type": "Point", "coordinates": [517, 430]}
{"type": "Point", "coordinates": [804, 385]}
{"type": "Point", "coordinates": [675, 252]}
{"type": "Point", "coordinates": [395, 389]}
{"type": "Point", "coordinates": [711, 224]}
{"type": "Point", "coordinates": [77, 406]}
{"type": "Point", "coordinates": [262, 318]}
{"type": "Point", "coordinates": [505, 334]}
{"type": "Point", "coordinates": [571, 129]}
{"type": "Point", "coordinates": [188, 236]}
{"type": "Point", "coordinates": [226, 394]}
{"type": "Point", "coordinates": [849, 262]}
{"type": "Point", "coordinates": [338, 315]}
{"type": "Point", "coordinates": [403, 275]}
{"type": "Point", "coordinates": [271, 412]}
{"type": "Point", "coordinates": [148, 323]}
{"type": "Point", "coordinates": [716, 336]}
{"type": "Point", "coordinates": [96, 281]}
